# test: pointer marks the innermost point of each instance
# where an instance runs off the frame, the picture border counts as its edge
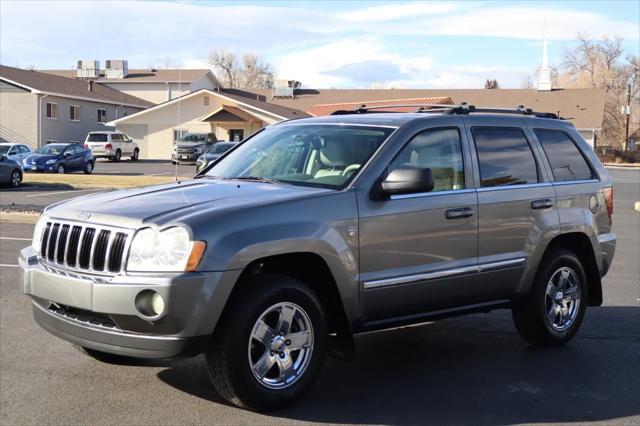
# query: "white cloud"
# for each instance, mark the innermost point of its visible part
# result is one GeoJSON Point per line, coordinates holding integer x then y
{"type": "Point", "coordinates": [397, 10]}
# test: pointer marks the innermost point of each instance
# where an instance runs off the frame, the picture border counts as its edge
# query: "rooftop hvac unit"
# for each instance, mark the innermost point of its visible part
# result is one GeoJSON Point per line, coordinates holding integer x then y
{"type": "Point", "coordinates": [285, 88]}
{"type": "Point", "coordinates": [88, 69]}
{"type": "Point", "coordinates": [116, 68]}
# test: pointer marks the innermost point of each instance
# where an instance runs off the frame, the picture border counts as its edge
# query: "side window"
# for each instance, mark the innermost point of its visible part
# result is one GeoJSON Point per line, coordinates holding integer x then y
{"type": "Point", "coordinates": [567, 162]}
{"type": "Point", "coordinates": [116, 137]}
{"type": "Point", "coordinates": [14, 150]}
{"type": "Point", "coordinates": [505, 157]}
{"type": "Point", "coordinates": [78, 149]}
{"type": "Point", "coordinates": [24, 149]}
{"type": "Point", "coordinates": [437, 149]}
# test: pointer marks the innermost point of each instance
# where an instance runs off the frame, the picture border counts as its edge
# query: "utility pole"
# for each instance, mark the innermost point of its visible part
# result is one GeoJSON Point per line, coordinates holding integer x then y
{"type": "Point", "coordinates": [628, 111]}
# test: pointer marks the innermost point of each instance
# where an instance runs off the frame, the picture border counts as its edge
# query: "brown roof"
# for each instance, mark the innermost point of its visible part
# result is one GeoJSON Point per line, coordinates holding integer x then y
{"type": "Point", "coordinates": [143, 76]}
{"type": "Point", "coordinates": [395, 105]}
{"type": "Point", "coordinates": [584, 107]}
{"type": "Point", "coordinates": [257, 101]}
{"type": "Point", "coordinates": [228, 113]}
{"type": "Point", "coordinates": [63, 86]}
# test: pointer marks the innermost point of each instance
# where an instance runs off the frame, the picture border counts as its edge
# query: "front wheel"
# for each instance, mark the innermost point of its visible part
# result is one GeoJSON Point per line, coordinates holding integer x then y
{"type": "Point", "coordinates": [88, 169]}
{"type": "Point", "coordinates": [552, 312]}
{"type": "Point", "coordinates": [270, 344]}
{"type": "Point", "coordinates": [60, 169]}
{"type": "Point", "coordinates": [16, 178]}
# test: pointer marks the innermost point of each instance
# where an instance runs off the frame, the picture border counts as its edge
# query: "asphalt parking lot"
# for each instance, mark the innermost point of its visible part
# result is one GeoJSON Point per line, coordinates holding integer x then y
{"type": "Point", "coordinates": [468, 370]}
{"type": "Point", "coordinates": [143, 167]}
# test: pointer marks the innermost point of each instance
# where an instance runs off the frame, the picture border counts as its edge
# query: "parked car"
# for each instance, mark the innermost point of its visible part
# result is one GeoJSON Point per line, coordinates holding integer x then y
{"type": "Point", "coordinates": [112, 145]}
{"type": "Point", "coordinates": [332, 226]}
{"type": "Point", "coordinates": [191, 146]}
{"type": "Point", "coordinates": [60, 158]}
{"type": "Point", "coordinates": [10, 171]}
{"type": "Point", "coordinates": [213, 154]}
{"type": "Point", "coordinates": [15, 151]}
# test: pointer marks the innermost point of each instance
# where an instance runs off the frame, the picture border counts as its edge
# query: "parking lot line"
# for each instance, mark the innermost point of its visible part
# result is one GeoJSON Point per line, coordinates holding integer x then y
{"type": "Point", "coordinates": [10, 266]}
{"type": "Point", "coordinates": [160, 174]}
{"type": "Point", "coordinates": [57, 192]}
{"type": "Point", "coordinates": [15, 238]}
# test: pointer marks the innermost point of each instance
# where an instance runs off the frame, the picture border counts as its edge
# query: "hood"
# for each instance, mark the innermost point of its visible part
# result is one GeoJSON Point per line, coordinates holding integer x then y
{"type": "Point", "coordinates": [209, 156]}
{"type": "Point", "coordinates": [170, 203]}
{"type": "Point", "coordinates": [38, 158]}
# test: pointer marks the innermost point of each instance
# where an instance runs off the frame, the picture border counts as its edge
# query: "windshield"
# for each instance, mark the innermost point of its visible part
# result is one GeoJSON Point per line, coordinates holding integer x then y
{"type": "Point", "coordinates": [312, 155]}
{"type": "Point", "coordinates": [220, 148]}
{"type": "Point", "coordinates": [4, 149]}
{"type": "Point", "coordinates": [97, 137]}
{"type": "Point", "coordinates": [193, 138]}
{"type": "Point", "coordinates": [50, 149]}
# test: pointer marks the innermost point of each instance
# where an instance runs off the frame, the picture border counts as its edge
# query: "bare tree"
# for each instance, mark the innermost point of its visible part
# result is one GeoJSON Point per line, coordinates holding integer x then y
{"type": "Point", "coordinates": [249, 72]}
{"type": "Point", "coordinates": [491, 84]}
{"type": "Point", "coordinates": [527, 82]}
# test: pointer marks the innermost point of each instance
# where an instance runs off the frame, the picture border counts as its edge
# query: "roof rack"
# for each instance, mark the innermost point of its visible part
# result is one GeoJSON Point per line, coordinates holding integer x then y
{"type": "Point", "coordinates": [461, 109]}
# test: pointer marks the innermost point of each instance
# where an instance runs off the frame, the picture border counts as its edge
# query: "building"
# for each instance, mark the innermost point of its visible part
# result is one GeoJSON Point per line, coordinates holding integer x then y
{"type": "Point", "coordinates": [38, 108]}
{"type": "Point", "coordinates": [229, 114]}
{"type": "Point", "coordinates": [153, 85]}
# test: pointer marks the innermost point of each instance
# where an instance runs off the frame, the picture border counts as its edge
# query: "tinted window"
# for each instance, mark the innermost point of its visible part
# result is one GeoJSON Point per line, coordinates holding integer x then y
{"type": "Point", "coordinates": [116, 138]}
{"type": "Point", "coordinates": [24, 149]}
{"type": "Point", "coordinates": [505, 157]}
{"type": "Point", "coordinates": [97, 137]}
{"type": "Point", "coordinates": [14, 150]}
{"type": "Point", "coordinates": [78, 149]}
{"type": "Point", "coordinates": [441, 151]}
{"type": "Point", "coordinates": [567, 162]}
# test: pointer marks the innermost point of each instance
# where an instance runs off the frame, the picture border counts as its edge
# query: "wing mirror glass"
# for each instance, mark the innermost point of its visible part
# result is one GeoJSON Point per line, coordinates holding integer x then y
{"type": "Point", "coordinates": [407, 180]}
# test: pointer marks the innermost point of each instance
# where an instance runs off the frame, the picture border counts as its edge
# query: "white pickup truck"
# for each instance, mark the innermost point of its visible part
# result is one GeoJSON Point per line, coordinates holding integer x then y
{"type": "Point", "coordinates": [112, 145]}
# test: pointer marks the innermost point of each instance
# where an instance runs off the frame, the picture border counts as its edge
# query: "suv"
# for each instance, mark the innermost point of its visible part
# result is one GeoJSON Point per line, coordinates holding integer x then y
{"type": "Point", "coordinates": [331, 226]}
{"type": "Point", "coordinates": [191, 146]}
{"type": "Point", "coordinates": [112, 145]}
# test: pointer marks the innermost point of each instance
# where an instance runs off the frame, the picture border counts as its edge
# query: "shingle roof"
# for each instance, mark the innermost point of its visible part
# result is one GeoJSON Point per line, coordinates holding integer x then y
{"type": "Point", "coordinates": [144, 76]}
{"type": "Point", "coordinates": [71, 87]}
{"type": "Point", "coordinates": [584, 107]}
{"type": "Point", "coordinates": [328, 109]}
{"type": "Point", "coordinates": [258, 102]}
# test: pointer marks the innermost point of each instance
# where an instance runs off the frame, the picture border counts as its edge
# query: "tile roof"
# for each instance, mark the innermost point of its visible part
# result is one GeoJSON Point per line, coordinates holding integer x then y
{"type": "Point", "coordinates": [328, 109]}
{"type": "Point", "coordinates": [143, 76]}
{"type": "Point", "coordinates": [71, 87]}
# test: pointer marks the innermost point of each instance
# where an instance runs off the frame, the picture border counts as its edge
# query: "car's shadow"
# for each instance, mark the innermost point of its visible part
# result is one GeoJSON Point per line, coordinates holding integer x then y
{"type": "Point", "coordinates": [472, 370]}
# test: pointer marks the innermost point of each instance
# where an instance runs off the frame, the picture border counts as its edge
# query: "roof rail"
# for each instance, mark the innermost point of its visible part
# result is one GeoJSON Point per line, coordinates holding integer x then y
{"type": "Point", "coordinates": [461, 109]}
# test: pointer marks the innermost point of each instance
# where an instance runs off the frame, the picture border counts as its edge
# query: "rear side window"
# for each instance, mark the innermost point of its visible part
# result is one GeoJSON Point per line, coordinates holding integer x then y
{"type": "Point", "coordinates": [567, 162]}
{"type": "Point", "coordinates": [505, 157]}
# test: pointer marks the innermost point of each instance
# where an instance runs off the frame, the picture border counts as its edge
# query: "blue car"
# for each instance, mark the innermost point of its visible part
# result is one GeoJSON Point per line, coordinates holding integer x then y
{"type": "Point", "coordinates": [60, 158]}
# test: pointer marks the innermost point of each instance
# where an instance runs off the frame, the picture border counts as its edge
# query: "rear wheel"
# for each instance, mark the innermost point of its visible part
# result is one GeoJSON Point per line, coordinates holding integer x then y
{"type": "Point", "coordinates": [60, 169]}
{"type": "Point", "coordinates": [88, 169]}
{"type": "Point", "coordinates": [554, 309]}
{"type": "Point", "coordinates": [118, 156]}
{"type": "Point", "coordinates": [134, 157]}
{"type": "Point", "coordinates": [269, 346]}
{"type": "Point", "coordinates": [16, 178]}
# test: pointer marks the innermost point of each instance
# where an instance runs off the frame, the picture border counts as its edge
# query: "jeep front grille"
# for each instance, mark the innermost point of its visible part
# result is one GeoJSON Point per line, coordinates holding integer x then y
{"type": "Point", "coordinates": [85, 247]}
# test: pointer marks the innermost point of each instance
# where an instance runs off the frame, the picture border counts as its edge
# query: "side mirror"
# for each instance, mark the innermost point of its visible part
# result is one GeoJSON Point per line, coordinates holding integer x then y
{"type": "Point", "coordinates": [3, 157]}
{"type": "Point", "coordinates": [408, 180]}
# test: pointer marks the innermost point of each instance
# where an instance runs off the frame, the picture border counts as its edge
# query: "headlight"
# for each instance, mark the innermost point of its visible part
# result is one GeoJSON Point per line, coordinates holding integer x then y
{"type": "Point", "coordinates": [169, 250]}
{"type": "Point", "coordinates": [37, 233]}
{"type": "Point", "coordinates": [50, 161]}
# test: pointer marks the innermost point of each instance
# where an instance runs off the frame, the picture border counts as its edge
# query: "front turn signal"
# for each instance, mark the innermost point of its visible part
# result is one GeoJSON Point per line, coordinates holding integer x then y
{"type": "Point", "coordinates": [197, 251]}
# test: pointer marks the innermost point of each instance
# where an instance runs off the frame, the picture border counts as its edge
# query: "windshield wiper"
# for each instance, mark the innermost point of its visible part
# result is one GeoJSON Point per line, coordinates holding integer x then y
{"type": "Point", "coordinates": [254, 179]}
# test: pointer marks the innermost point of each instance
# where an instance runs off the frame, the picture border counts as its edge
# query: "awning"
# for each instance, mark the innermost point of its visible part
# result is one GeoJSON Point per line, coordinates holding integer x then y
{"type": "Point", "coordinates": [230, 114]}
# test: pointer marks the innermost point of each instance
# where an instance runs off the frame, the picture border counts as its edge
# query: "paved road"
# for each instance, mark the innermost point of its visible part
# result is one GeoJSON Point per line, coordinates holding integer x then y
{"type": "Point", "coordinates": [143, 167]}
{"type": "Point", "coordinates": [468, 370]}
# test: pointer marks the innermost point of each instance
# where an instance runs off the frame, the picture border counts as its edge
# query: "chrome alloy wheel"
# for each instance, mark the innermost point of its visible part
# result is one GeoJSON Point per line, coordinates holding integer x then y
{"type": "Point", "coordinates": [16, 178]}
{"type": "Point", "coordinates": [280, 345]}
{"type": "Point", "coordinates": [562, 298]}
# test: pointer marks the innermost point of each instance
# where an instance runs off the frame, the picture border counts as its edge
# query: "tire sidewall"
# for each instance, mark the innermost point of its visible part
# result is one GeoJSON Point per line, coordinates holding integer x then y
{"type": "Point", "coordinates": [11, 183]}
{"type": "Point", "coordinates": [239, 326]}
{"type": "Point", "coordinates": [560, 259]}
{"type": "Point", "coordinates": [118, 156]}
{"type": "Point", "coordinates": [86, 168]}
{"type": "Point", "coordinates": [60, 167]}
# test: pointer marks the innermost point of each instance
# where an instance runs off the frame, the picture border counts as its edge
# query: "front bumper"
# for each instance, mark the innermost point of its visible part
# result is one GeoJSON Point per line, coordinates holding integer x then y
{"type": "Point", "coordinates": [38, 167]}
{"type": "Point", "coordinates": [185, 158]}
{"type": "Point", "coordinates": [182, 329]}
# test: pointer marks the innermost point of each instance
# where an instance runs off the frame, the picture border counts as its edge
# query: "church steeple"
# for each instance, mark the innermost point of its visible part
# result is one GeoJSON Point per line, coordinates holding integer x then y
{"type": "Point", "coordinates": [544, 75]}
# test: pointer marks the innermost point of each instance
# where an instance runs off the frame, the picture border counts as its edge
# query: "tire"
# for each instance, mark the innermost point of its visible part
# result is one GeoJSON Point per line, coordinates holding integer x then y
{"type": "Point", "coordinates": [234, 352]}
{"type": "Point", "coordinates": [15, 179]}
{"type": "Point", "coordinates": [553, 311]}
{"type": "Point", "coordinates": [135, 155]}
{"type": "Point", "coordinates": [174, 162]}
{"type": "Point", "coordinates": [60, 169]}
{"type": "Point", "coordinates": [88, 169]}
{"type": "Point", "coordinates": [118, 156]}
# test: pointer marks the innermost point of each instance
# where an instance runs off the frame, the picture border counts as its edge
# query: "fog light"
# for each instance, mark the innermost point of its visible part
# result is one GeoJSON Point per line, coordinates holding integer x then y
{"type": "Point", "coordinates": [150, 303]}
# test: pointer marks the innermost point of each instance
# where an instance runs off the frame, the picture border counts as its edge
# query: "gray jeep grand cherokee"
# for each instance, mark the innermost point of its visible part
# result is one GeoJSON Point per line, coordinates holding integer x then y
{"type": "Point", "coordinates": [316, 229]}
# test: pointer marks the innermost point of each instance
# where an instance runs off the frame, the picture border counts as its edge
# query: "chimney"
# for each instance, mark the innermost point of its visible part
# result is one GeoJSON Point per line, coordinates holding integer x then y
{"type": "Point", "coordinates": [90, 85]}
{"type": "Point", "coordinates": [544, 75]}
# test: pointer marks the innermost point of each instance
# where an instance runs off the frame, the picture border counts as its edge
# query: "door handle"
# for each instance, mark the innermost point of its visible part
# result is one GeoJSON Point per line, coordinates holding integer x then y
{"type": "Point", "coordinates": [545, 203]}
{"type": "Point", "coordinates": [459, 213]}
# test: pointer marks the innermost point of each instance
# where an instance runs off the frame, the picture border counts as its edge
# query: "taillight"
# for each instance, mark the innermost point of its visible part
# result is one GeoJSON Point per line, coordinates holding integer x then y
{"type": "Point", "coordinates": [108, 146]}
{"type": "Point", "coordinates": [608, 199]}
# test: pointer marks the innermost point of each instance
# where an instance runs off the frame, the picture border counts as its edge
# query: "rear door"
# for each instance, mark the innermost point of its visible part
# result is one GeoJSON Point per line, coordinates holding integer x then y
{"type": "Point", "coordinates": [516, 199]}
{"type": "Point", "coordinates": [418, 252]}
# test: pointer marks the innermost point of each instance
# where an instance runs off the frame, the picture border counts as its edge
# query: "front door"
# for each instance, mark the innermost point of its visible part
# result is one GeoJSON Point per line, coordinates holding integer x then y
{"type": "Point", "coordinates": [418, 252]}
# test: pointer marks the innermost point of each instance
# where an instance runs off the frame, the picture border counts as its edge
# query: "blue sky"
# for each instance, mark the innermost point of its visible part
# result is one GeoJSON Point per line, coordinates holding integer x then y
{"type": "Point", "coordinates": [323, 44]}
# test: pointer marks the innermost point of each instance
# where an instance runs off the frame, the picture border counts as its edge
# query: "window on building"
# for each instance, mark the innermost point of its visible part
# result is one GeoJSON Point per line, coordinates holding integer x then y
{"type": "Point", "coordinates": [567, 162]}
{"type": "Point", "coordinates": [437, 149]}
{"type": "Point", "coordinates": [52, 110]}
{"type": "Point", "coordinates": [206, 100]}
{"type": "Point", "coordinates": [102, 115]}
{"type": "Point", "coordinates": [74, 112]}
{"type": "Point", "coordinates": [505, 157]}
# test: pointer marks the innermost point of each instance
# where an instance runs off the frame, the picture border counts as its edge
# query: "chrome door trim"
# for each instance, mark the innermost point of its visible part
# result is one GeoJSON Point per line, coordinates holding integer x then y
{"type": "Point", "coordinates": [411, 279]}
{"type": "Point", "coordinates": [432, 194]}
{"type": "Point", "coordinates": [574, 182]}
{"type": "Point", "coordinates": [523, 186]}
